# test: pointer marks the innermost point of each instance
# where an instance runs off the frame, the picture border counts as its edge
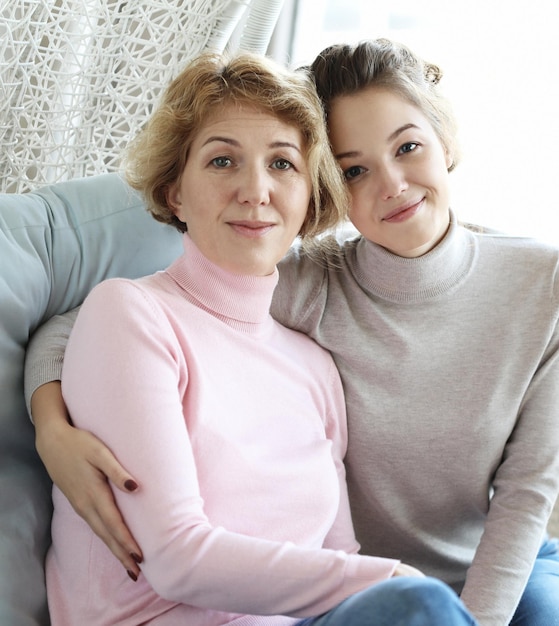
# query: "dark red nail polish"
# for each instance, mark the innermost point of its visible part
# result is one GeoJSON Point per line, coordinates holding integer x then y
{"type": "Point", "coordinates": [131, 485]}
{"type": "Point", "coordinates": [136, 557]}
{"type": "Point", "coordinates": [132, 575]}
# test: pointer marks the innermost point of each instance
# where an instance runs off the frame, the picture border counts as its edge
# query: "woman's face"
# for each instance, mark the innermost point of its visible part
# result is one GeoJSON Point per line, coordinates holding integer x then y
{"type": "Point", "coordinates": [245, 190]}
{"type": "Point", "coordinates": [396, 169]}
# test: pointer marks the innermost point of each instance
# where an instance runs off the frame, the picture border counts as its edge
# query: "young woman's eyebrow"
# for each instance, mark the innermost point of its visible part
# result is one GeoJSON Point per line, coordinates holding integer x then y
{"type": "Point", "coordinates": [352, 154]}
{"type": "Point", "coordinates": [400, 130]}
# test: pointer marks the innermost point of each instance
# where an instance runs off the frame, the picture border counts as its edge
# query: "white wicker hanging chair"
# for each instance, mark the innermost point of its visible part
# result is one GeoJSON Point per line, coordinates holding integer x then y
{"type": "Point", "coordinates": [78, 78]}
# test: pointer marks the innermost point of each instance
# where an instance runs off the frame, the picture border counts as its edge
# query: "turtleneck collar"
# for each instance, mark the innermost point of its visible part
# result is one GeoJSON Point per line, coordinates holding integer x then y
{"type": "Point", "coordinates": [241, 299]}
{"type": "Point", "coordinates": [404, 280]}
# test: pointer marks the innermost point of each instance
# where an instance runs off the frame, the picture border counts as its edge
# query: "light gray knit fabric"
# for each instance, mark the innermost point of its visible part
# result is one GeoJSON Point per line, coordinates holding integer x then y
{"type": "Point", "coordinates": [451, 373]}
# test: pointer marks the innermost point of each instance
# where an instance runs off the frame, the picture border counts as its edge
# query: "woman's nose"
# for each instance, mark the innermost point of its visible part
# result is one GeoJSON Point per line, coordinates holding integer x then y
{"type": "Point", "coordinates": [254, 187]}
{"type": "Point", "coordinates": [392, 182]}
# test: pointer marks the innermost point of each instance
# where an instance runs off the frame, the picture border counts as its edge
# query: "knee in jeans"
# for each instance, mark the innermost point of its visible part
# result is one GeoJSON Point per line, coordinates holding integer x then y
{"type": "Point", "coordinates": [427, 594]}
{"type": "Point", "coordinates": [424, 586]}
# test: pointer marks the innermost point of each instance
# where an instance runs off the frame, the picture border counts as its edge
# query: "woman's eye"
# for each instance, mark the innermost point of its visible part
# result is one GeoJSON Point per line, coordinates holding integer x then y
{"type": "Point", "coordinates": [282, 164]}
{"type": "Point", "coordinates": [221, 161]}
{"type": "Point", "coordinates": [407, 147]}
{"type": "Point", "coordinates": [353, 172]}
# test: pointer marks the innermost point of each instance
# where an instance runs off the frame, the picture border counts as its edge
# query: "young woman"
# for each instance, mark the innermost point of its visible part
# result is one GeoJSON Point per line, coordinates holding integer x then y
{"type": "Point", "coordinates": [237, 157]}
{"type": "Point", "coordinates": [447, 344]}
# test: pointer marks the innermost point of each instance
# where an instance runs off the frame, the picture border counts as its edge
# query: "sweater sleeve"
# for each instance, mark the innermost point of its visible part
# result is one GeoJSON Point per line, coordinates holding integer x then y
{"type": "Point", "coordinates": [45, 353]}
{"type": "Point", "coordinates": [341, 535]}
{"type": "Point", "coordinates": [301, 289]}
{"type": "Point", "coordinates": [123, 379]}
{"type": "Point", "coordinates": [525, 488]}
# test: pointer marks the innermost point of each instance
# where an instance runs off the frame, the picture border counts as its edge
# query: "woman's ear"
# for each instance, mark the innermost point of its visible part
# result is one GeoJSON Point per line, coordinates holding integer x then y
{"type": "Point", "coordinates": [173, 197]}
{"type": "Point", "coordinates": [449, 158]}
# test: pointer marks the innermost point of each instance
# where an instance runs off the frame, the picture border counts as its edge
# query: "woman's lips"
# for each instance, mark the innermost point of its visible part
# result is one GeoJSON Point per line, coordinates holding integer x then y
{"type": "Point", "coordinates": [251, 229]}
{"type": "Point", "coordinates": [404, 212]}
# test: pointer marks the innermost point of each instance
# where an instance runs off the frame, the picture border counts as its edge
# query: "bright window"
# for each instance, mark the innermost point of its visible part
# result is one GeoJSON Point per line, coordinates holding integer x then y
{"type": "Point", "coordinates": [501, 72]}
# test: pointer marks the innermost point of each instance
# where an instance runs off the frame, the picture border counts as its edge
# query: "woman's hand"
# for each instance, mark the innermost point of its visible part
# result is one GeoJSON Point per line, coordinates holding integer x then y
{"type": "Point", "coordinates": [407, 570]}
{"type": "Point", "coordinates": [82, 466]}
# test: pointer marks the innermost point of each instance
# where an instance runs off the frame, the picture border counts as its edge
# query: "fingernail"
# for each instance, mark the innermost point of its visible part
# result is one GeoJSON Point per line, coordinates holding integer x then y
{"type": "Point", "coordinates": [132, 575]}
{"type": "Point", "coordinates": [131, 485]}
{"type": "Point", "coordinates": [136, 557]}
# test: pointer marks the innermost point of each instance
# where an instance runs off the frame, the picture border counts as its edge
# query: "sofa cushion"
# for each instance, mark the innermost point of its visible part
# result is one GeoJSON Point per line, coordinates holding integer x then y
{"type": "Point", "coordinates": [55, 245]}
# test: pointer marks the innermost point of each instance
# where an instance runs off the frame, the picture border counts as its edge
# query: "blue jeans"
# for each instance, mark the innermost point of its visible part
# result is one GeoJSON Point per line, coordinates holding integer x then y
{"type": "Point", "coordinates": [539, 605]}
{"type": "Point", "coordinates": [399, 601]}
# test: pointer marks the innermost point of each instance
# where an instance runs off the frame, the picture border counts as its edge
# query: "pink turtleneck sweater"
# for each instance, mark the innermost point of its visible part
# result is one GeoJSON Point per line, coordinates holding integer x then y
{"type": "Point", "coordinates": [235, 429]}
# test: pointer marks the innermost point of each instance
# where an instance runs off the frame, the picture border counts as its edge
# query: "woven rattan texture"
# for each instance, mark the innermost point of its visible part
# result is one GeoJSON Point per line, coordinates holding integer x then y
{"type": "Point", "coordinates": [78, 78]}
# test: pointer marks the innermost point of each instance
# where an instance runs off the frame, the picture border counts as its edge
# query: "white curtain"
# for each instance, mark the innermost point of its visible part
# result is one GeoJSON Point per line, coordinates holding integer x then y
{"type": "Point", "coordinates": [78, 78]}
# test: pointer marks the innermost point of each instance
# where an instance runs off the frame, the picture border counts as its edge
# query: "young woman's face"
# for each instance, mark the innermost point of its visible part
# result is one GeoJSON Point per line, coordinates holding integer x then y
{"type": "Point", "coordinates": [396, 169]}
{"type": "Point", "coordinates": [245, 190]}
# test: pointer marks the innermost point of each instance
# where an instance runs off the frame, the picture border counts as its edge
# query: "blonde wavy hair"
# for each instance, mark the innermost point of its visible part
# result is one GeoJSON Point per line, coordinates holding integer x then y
{"type": "Point", "coordinates": [156, 159]}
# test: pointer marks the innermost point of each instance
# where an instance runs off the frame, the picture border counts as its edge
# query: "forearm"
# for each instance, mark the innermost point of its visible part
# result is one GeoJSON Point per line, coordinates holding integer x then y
{"type": "Point", "coordinates": [526, 485]}
{"type": "Point", "coordinates": [50, 417]}
{"type": "Point", "coordinates": [45, 356]}
{"type": "Point", "coordinates": [43, 371]}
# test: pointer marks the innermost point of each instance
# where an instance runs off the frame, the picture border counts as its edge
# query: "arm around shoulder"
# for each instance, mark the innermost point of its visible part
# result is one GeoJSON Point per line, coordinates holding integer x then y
{"type": "Point", "coordinates": [45, 354]}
